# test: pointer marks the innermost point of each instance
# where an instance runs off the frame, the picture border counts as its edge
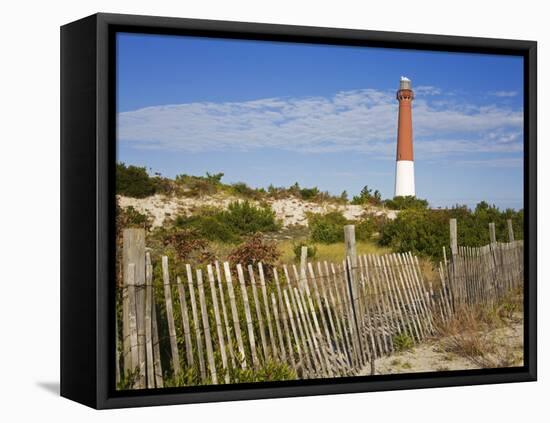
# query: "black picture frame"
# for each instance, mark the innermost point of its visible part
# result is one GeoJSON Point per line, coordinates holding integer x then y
{"type": "Point", "coordinates": [87, 208]}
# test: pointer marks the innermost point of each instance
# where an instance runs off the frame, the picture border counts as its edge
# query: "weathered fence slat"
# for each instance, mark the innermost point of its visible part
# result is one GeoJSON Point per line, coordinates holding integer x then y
{"type": "Point", "coordinates": [274, 350]}
{"type": "Point", "coordinates": [294, 331]}
{"type": "Point", "coordinates": [150, 370]}
{"type": "Point", "coordinates": [206, 326]}
{"type": "Point", "coordinates": [132, 319]}
{"type": "Point", "coordinates": [259, 315]}
{"type": "Point", "coordinates": [225, 315]}
{"type": "Point", "coordinates": [196, 322]}
{"type": "Point", "coordinates": [284, 317]}
{"type": "Point", "coordinates": [217, 318]}
{"type": "Point", "coordinates": [159, 382]}
{"type": "Point", "coordinates": [185, 321]}
{"type": "Point", "coordinates": [278, 327]}
{"type": "Point", "coordinates": [248, 316]}
{"type": "Point", "coordinates": [235, 314]}
{"type": "Point", "coordinates": [170, 317]}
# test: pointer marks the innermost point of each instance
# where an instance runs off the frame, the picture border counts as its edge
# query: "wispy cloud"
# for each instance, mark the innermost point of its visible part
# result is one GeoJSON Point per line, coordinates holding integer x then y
{"type": "Point", "coordinates": [427, 90]}
{"type": "Point", "coordinates": [504, 93]}
{"type": "Point", "coordinates": [349, 121]}
{"type": "Point", "coordinates": [495, 162]}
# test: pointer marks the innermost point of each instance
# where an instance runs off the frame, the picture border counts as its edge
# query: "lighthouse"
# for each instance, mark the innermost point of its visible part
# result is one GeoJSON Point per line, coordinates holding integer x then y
{"type": "Point", "coordinates": [404, 168]}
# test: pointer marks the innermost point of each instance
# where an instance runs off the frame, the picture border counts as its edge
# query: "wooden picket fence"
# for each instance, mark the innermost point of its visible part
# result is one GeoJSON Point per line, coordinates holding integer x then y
{"type": "Point", "coordinates": [480, 275]}
{"type": "Point", "coordinates": [186, 326]}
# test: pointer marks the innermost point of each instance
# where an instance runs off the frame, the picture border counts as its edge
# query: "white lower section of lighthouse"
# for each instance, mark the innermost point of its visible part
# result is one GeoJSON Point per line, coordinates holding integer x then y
{"type": "Point", "coordinates": [404, 178]}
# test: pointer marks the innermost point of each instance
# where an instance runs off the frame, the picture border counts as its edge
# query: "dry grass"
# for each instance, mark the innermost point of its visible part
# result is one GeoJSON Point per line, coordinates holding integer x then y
{"type": "Point", "coordinates": [483, 334]}
{"type": "Point", "coordinates": [329, 252]}
{"type": "Point", "coordinates": [429, 272]}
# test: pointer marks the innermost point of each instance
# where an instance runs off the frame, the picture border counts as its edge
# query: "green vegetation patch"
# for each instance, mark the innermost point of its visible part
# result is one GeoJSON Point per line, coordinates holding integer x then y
{"type": "Point", "coordinates": [406, 202]}
{"type": "Point", "coordinates": [133, 181]}
{"type": "Point", "coordinates": [425, 231]}
{"type": "Point", "coordinates": [329, 228]}
{"type": "Point", "coordinates": [367, 196]}
{"type": "Point", "coordinates": [403, 342]}
{"type": "Point", "coordinates": [240, 219]}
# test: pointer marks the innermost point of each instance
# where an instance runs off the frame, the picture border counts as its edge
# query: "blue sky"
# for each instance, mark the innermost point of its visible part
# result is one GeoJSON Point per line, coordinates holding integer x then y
{"type": "Point", "coordinates": [278, 113]}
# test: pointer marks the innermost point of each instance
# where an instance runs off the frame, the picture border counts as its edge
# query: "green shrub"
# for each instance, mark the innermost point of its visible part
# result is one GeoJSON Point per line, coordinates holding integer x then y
{"type": "Point", "coordinates": [365, 228]}
{"type": "Point", "coordinates": [406, 202]}
{"type": "Point", "coordinates": [199, 185]}
{"type": "Point", "coordinates": [209, 224]}
{"type": "Point", "coordinates": [366, 196]}
{"type": "Point", "coordinates": [243, 190]}
{"type": "Point", "coordinates": [245, 218]}
{"type": "Point", "coordinates": [422, 232]}
{"type": "Point", "coordinates": [344, 197]}
{"type": "Point", "coordinates": [165, 186]}
{"type": "Point", "coordinates": [327, 228]}
{"type": "Point", "coordinates": [309, 193]}
{"type": "Point", "coordinates": [133, 181]}
{"type": "Point", "coordinates": [425, 232]}
{"type": "Point", "coordinates": [402, 342]}
{"type": "Point", "coordinates": [240, 219]}
{"type": "Point", "coordinates": [129, 217]}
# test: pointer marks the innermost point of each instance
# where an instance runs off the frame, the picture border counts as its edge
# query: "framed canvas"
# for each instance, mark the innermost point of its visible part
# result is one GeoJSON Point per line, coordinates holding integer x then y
{"type": "Point", "coordinates": [258, 211]}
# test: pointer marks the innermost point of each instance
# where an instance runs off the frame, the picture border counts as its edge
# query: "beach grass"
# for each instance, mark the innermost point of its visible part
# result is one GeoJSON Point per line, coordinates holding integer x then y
{"type": "Point", "coordinates": [329, 252]}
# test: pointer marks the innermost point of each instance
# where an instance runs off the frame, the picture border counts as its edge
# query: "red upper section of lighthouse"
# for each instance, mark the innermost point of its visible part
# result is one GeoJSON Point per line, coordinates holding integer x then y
{"type": "Point", "coordinates": [404, 126]}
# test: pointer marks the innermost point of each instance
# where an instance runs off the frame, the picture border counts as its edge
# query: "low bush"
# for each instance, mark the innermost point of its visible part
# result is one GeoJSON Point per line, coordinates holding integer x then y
{"type": "Point", "coordinates": [420, 231]}
{"type": "Point", "coordinates": [209, 224]}
{"type": "Point", "coordinates": [243, 190]}
{"type": "Point", "coordinates": [240, 219]}
{"type": "Point", "coordinates": [133, 181]}
{"type": "Point", "coordinates": [309, 193]}
{"type": "Point", "coordinates": [365, 228]}
{"type": "Point", "coordinates": [367, 196]}
{"type": "Point", "coordinates": [406, 202]}
{"type": "Point", "coordinates": [254, 250]}
{"type": "Point", "coordinates": [197, 186]}
{"type": "Point", "coordinates": [327, 228]}
{"type": "Point", "coordinates": [129, 217]}
{"type": "Point", "coordinates": [425, 231]}
{"type": "Point", "coordinates": [188, 246]}
{"type": "Point", "coordinates": [403, 342]}
{"type": "Point", "coordinates": [245, 218]}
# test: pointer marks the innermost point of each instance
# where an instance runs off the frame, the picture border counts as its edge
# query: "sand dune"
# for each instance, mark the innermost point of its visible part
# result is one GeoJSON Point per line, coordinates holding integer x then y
{"type": "Point", "coordinates": [291, 211]}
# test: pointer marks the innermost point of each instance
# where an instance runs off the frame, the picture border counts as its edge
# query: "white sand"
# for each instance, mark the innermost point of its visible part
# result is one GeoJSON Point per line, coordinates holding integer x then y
{"type": "Point", "coordinates": [431, 356]}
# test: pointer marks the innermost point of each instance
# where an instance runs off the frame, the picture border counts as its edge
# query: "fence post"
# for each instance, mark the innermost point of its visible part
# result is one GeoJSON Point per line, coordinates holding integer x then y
{"type": "Point", "coordinates": [454, 238]}
{"type": "Point", "coordinates": [303, 265]}
{"type": "Point", "coordinates": [510, 230]}
{"type": "Point", "coordinates": [351, 266]}
{"type": "Point", "coordinates": [454, 253]}
{"type": "Point", "coordinates": [133, 252]}
{"type": "Point", "coordinates": [492, 233]}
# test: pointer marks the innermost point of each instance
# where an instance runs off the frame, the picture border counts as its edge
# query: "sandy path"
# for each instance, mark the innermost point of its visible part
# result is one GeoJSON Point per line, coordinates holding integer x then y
{"type": "Point", "coordinates": [432, 355]}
